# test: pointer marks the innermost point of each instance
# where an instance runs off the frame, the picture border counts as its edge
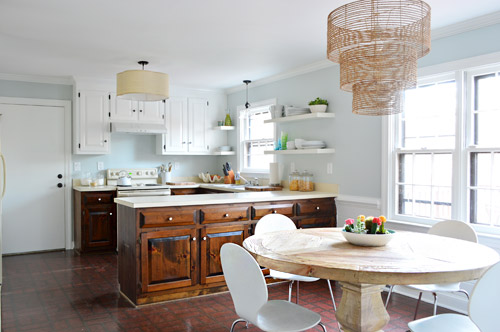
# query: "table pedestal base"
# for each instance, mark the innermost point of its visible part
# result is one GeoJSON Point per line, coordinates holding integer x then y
{"type": "Point", "coordinates": [361, 308]}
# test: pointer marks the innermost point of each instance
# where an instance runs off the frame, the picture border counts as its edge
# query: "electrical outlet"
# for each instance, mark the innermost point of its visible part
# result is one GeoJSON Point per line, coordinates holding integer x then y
{"type": "Point", "coordinates": [100, 165]}
{"type": "Point", "coordinates": [77, 166]}
{"type": "Point", "coordinates": [329, 168]}
{"type": "Point", "coordinates": [292, 167]}
{"type": "Point", "coordinates": [177, 165]}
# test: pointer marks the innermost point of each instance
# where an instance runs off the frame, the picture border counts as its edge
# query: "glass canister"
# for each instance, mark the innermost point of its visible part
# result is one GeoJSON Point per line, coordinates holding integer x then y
{"type": "Point", "coordinates": [294, 178]}
{"type": "Point", "coordinates": [306, 182]}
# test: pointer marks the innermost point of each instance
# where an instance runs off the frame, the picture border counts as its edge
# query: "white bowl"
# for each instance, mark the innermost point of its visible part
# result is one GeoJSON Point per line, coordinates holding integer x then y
{"type": "Point", "coordinates": [368, 240]}
{"type": "Point", "coordinates": [318, 108]}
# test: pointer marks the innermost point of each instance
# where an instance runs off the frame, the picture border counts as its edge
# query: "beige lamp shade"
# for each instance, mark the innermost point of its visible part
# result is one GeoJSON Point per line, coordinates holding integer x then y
{"type": "Point", "coordinates": [142, 85]}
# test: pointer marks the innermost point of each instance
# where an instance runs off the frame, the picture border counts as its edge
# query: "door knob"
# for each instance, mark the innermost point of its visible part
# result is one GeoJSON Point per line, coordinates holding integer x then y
{"type": "Point", "coordinates": [59, 185]}
{"type": "Point", "coordinates": [59, 176]}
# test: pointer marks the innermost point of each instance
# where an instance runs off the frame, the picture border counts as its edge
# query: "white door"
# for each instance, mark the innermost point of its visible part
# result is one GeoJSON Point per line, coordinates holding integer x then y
{"type": "Point", "coordinates": [94, 121]}
{"type": "Point", "coordinates": [152, 111]}
{"type": "Point", "coordinates": [175, 140]}
{"type": "Point", "coordinates": [32, 139]}
{"type": "Point", "coordinates": [197, 125]}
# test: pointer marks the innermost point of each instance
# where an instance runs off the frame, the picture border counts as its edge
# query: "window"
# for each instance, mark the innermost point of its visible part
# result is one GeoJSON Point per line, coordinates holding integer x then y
{"type": "Point", "coordinates": [255, 138]}
{"type": "Point", "coordinates": [444, 151]}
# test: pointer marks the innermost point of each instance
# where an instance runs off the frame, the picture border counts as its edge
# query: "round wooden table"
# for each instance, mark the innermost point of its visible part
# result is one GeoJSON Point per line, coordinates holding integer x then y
{"type": "Point", "coordinates": [410, 258]}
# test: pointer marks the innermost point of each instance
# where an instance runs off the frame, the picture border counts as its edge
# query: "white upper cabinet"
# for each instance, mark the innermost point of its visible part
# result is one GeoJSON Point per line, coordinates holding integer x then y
{"type": "Point", "coordinates": [137, 111]}
{"type": "Point", "coordinates": [186, 127]}
{"type": "Point", "coordinates": [92, 122]}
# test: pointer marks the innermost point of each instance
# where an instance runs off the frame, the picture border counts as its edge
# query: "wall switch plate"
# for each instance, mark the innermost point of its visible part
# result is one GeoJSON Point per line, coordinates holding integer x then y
{"type": "Point", "coordinates": [77, 166]}
{"type": "Point", "coordinates": [177, 165]}
{"type": "Point", "coordinates": [292, 167]}
{"type": "Point", "coordinates": [329, 168]}
{"type": "Point", "coordinates": [100, 165]}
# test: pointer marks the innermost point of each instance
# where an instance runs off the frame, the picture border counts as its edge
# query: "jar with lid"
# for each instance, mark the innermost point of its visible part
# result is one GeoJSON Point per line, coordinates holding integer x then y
{"type": "Point", "coordinates": [306, 182]}
{"type": "Point", "coordinates": [294, 179]}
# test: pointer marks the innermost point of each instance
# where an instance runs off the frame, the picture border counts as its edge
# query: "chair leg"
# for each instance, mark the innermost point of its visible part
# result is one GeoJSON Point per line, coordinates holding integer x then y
{"type": "Point", "coordinates": [239, 320]}
{"type": "Point", "coordinates": [416, 309]}
{"type": "Point", "coordinates": [297, 294]}
{"type": "Point", "coordinates": [290, 285]}
{"type": "Point", "coordinates": [322, 326]}
{"type": "Point", "coordinates": [331, 294]}
{"type": "Point", "coordinates": [389, 295]}
{"type": "Point", "coordinates": [465, 292]}
{"type": "Point", "coordinates": [435, 303]}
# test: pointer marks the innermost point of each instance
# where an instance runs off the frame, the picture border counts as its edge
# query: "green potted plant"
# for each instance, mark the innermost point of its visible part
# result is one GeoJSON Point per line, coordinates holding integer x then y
{"type": "Point", "coordinates": [318, 105]}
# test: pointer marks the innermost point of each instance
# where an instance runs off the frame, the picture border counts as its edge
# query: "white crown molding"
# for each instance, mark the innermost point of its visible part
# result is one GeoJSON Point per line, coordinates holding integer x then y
{"type": "Point", "coordinates": [467, 25]}
{"type": "Point", "coordinates": [286, 74]}
{"type": "Point", "coordinates": [37, 79]}
{"type": "Point", "coordinates": [462, 64]}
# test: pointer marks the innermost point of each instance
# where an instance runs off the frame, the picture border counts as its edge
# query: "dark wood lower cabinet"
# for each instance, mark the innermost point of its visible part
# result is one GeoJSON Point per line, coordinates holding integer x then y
{"type": "Point", "coordinates": [94, 221]}
{"type": "Point", "coordinates": [174, 252]}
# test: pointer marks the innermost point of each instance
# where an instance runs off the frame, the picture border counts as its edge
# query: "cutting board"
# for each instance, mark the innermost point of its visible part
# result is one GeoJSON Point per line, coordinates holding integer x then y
{"type": "Point", "coordinates": [263, 188]}
{"type": "Point", "coordinates": [180, 183]}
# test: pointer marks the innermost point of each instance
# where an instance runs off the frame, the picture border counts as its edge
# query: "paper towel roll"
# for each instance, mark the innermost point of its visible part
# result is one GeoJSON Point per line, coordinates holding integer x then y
{"type": "Point", "coordinates": [274, 174]}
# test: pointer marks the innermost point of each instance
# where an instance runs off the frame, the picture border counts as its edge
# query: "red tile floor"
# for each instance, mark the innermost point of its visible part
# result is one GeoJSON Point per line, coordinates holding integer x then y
{"type": "Point", "coordinates": [61, 291]}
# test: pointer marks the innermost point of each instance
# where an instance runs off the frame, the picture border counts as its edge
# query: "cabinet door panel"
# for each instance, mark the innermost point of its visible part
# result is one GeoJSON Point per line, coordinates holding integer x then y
{"type": "Point", "coordinates": [175, 140]}
{"type": "Point", "coordinates": [99, 226]}
{"type": "Point", "coordinates": [123, 110]}
{"type": "Point", "coordinates": [168, 259]}
{"type": "Point", "coordinates": [197, 125]}
{"type": "Point", "coordinates": [152, 111]}
{"type": "Point", "coordinates": [93, 121]}
{"type": "Point", "coordinates": [212, 239]}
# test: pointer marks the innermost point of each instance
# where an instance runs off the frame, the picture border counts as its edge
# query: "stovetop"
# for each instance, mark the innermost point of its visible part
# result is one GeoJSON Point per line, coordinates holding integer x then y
{"type": "Point", "coordinates": [141, 178]}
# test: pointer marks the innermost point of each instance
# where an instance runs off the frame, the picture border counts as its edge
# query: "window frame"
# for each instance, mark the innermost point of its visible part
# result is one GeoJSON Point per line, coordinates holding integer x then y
{"type": "Point", "coordinates": [241, 110]}
{"type": "Point", "coordinates": [463, 76]}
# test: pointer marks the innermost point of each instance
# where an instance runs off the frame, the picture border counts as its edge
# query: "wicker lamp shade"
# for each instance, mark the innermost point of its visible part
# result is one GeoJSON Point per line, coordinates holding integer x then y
{"type": "Point", "coordinates": [377, 43]}
{"type": "Point", "coordinates": [142, 85]}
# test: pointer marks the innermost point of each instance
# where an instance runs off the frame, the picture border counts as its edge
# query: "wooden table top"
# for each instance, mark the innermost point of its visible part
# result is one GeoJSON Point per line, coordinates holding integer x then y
{"type": "Point", "coordinates": [409, 258]}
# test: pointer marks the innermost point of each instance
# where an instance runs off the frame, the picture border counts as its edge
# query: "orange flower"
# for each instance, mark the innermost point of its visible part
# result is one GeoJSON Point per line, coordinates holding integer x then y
{"type": "Point", "coordinates": [361, 217]}
{"type": "Point", "coordinates": [382, 219]}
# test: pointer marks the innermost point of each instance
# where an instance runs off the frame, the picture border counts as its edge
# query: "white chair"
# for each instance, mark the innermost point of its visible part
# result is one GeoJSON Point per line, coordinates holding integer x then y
{"type": "Point", "coordinates": [483, 307]}
{"type": "Point", "coordinates": [278, 222]}
{"type": "Point", "coordinates": [449, 228]}
{"type": "Point", "coordinates": [249, 293]}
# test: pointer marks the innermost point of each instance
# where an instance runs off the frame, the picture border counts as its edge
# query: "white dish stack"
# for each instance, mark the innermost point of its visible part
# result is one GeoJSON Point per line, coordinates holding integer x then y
{"type": "Point", "coordinates": [292, 111]}
{"type": "Point", "coordinates": [303, 144]}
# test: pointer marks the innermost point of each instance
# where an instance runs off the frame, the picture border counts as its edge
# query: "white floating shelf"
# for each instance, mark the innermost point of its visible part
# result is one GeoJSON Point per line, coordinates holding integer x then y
{"type": "Point", "coordinates": [301, 151]}
{"type": "Point", "coordinates": [301, 117]}
{"type": "Point", "coordinates": [224, 128]}
{"type": "Point", "coordinates": [224, 153]}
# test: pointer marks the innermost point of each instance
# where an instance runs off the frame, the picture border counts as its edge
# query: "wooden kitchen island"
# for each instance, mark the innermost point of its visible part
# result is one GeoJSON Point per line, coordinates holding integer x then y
{"type": "Point", "coordinates": [168, 247]}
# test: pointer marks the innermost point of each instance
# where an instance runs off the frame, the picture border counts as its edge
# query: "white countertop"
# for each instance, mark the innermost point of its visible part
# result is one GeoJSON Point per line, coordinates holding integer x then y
{"type": "Point", "coordinates": [98, 188]}
{"type": "Point", "coordinates": [209, 199]}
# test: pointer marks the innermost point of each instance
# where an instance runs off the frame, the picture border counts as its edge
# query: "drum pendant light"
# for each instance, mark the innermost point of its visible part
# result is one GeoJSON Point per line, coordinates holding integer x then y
{"type": "Point", "coordinates": [377, 44]}
{"type": "Point", "coordinates": [247, 105]}
{"type": "Point", "coordinates": [142, 85]}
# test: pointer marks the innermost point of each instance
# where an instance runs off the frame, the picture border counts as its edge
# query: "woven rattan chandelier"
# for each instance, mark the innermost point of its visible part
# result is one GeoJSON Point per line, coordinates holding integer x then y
{"type": "Point", "coordinates": [377, 43]}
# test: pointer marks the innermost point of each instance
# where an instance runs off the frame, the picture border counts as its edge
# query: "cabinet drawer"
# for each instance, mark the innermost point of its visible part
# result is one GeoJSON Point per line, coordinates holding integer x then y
{"type": "Point", "coordinates": [98, 198]}
{"type": "Point", "coordinates": [167, 217]}
{"type": "Point", "coordinates": [260, 210]}
{"type": "Point", "coordinates": [224, 213]}
{"type": "Point", "coordinates": [316, 207]}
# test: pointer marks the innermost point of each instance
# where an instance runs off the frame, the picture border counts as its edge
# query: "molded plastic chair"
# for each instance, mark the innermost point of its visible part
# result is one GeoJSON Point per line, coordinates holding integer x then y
{"type": "Point", "coordinates": [449, 228]}
{"type": "Point", "coordinates": [249, 293]}
{"type": "Point", "coordinates": [483, 308]}
{"type": "Point", "coordinates": [278, 222]}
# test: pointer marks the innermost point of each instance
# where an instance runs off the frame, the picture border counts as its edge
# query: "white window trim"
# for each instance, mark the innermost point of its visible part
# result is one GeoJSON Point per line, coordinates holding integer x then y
{"type": "Point", "coordinates": [464, 112]}
{"type": "Point", "coordinates": [249, 172]}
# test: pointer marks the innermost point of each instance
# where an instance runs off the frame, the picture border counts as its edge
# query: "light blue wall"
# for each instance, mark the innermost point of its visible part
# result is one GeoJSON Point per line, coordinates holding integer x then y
{"type": "Point", "coordinates": [357, 139]}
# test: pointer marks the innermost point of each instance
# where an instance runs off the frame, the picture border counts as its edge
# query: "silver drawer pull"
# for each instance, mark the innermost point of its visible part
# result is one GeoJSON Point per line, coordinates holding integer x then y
{"type": "Point", "coordinates": [204, 238]}
{"type": "Point", "coordinates": [111, 213]}
{"type": "Point", "coordinates": [317, 207]}
{"type": "Point", "coordinates": [226, 215]}
{"type": "Point", "coordinates": [170, 218]}
{"type": "Point", "coordinates": [194, 239]}
{"type": "Point", "coordinates": [274, 211]}
{"type": "Point", "coordinates": [99, 199]}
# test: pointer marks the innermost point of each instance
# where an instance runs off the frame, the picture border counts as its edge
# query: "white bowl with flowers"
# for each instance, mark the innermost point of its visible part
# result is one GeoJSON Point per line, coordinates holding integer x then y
{"type": "Point", "coordinates": [367, 231]}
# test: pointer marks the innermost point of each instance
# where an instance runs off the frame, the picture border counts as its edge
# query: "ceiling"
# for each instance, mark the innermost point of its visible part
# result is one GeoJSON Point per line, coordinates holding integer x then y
{"type": "Point", "coordinates": [199, 43]}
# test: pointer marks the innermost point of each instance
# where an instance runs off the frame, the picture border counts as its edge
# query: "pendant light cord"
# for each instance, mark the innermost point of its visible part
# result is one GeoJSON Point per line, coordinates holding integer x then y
{"type": "Point", "coordinates": [247, 104]}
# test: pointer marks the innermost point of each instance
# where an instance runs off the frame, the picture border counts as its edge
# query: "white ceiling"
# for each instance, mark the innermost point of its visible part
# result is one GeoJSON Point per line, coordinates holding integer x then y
{"type": "Point", "coordinates": [199, 43]}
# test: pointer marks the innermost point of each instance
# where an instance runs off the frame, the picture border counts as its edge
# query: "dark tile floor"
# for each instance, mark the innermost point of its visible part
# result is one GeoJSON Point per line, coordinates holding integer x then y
{"type": "Point", "coordinates": [61, 291]}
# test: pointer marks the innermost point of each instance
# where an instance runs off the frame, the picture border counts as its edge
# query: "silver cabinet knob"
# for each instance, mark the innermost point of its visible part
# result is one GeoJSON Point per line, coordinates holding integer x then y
{"type": "Point", "coordinates": [274, 211]}
{"type": "Point", "coordinates": [170, 218]}
{"type": "Point", "coordinates": [111, 213]}
{"type": "Point", "coordinates": [99, 199]}
{"type": "Point", "coordinates": [194, 239]}
{"type": "Point", "coordinates": [226, 215]}
{"type": "Point", "coordinates": [204, 238]}
{"type": "Point", "coordinates": [317, 207]}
